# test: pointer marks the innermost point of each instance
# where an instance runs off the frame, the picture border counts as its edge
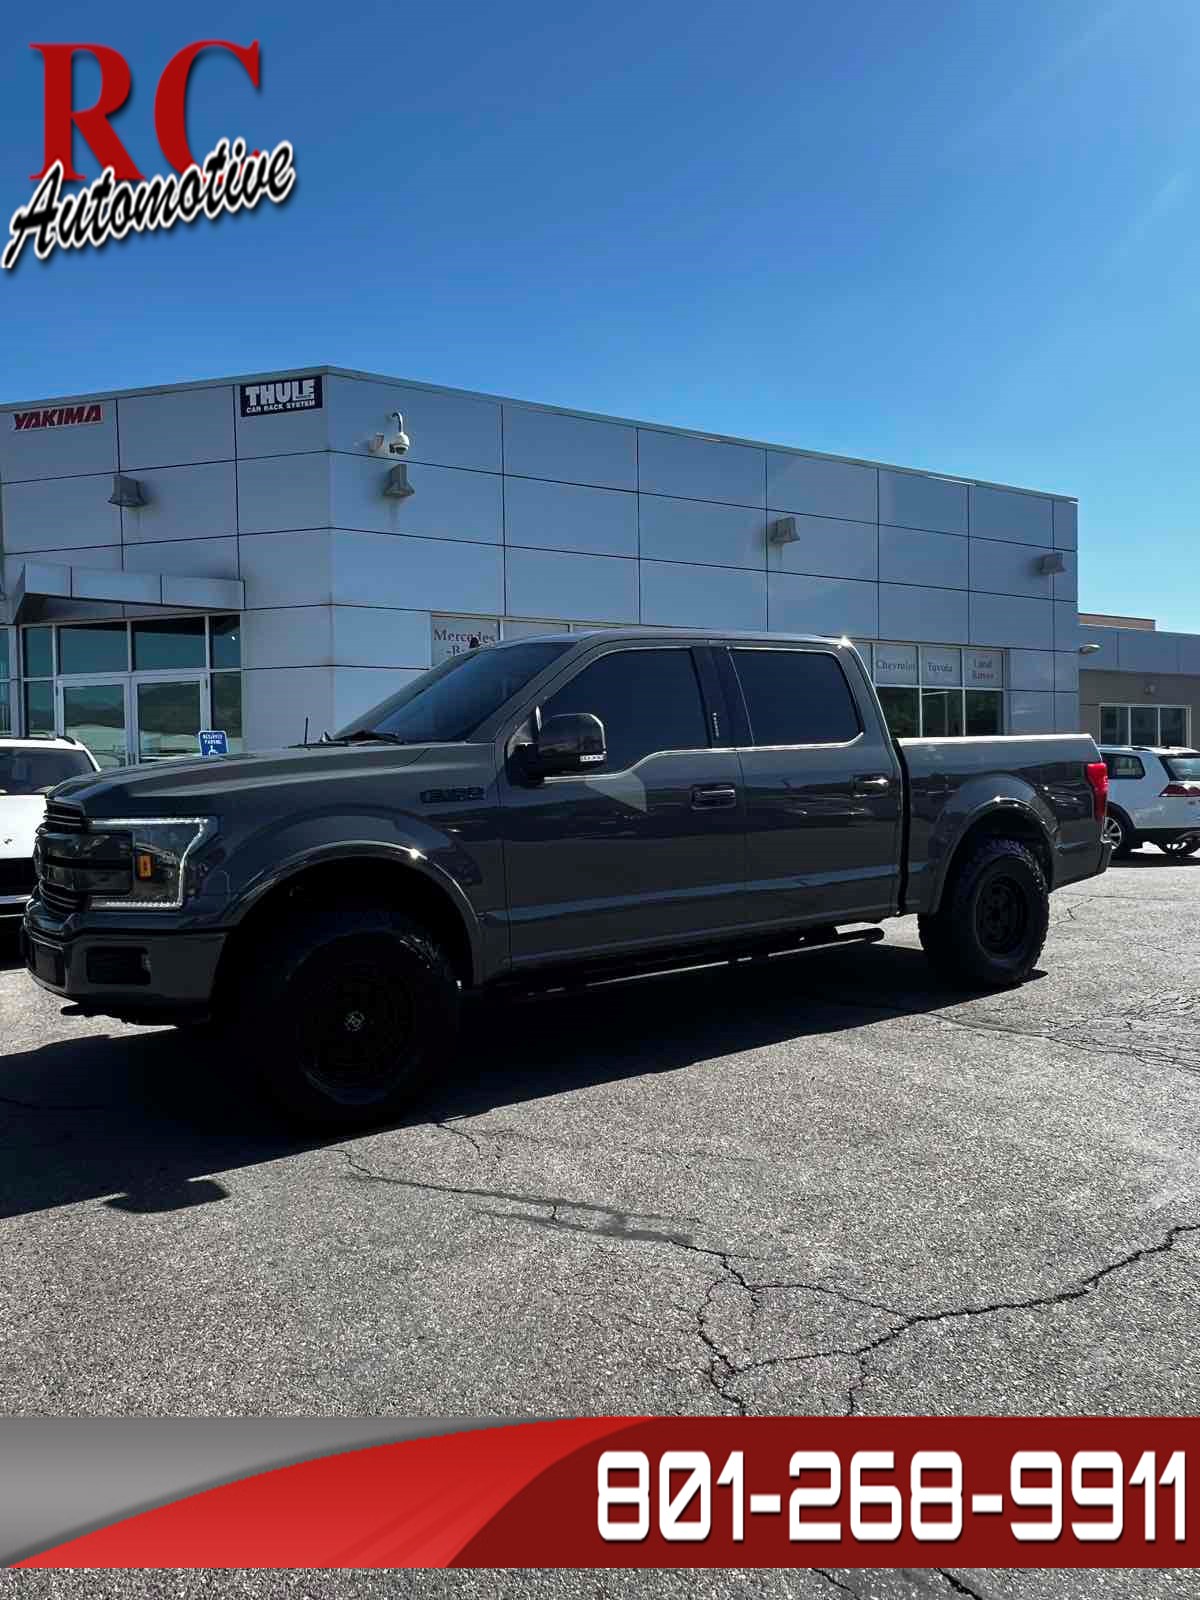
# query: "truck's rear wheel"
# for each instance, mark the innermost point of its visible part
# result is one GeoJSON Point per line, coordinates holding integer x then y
{"type": "Point", "coordinates": [993, 920]}
{"type": "Point", "coordinates": [349, 1015]}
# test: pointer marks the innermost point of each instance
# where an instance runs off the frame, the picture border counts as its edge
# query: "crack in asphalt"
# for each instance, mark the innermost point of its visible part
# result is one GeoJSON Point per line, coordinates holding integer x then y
{"type": "Point", "coordinates": [958, 1585]}
{"type": "Point", "coordinates": [459, 1133]}
{"type": "Point", "coordinates": [722, 1371]}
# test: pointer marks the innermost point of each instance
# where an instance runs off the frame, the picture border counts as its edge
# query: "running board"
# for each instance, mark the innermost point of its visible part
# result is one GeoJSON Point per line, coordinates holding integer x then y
{"type": "Point", "coordinates": [617, 970]}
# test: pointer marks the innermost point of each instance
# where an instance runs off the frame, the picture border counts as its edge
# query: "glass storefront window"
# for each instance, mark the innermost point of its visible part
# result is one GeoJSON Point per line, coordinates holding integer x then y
{"type": "Point", "coordinates": [5, 716]}
{"type": "Point", "coordinates": [1143, 724]}
{"type": "Point", "coordinates": [1172, 725]}
{"type": "Point", "coordinates": [1114, 724]}
{"type": "Point", "coordinates": [104, 647]}
{"type": "Point", "coordinates": [39, 708]}
{"type": "Point", "coordinates": [226, 635]}
{"type": "Point", "coordinates": [985, 712]}
{"type": "Point", "coordinates": [902, 709]}
{"type": "Point", "coordinates": [942, 713]}
{"type": "Point", "coordinates": [39, 652]}
{"type": "Point", "coordinates": [227, 708]}
{"type": "Point", "coordinates": [169, 644]}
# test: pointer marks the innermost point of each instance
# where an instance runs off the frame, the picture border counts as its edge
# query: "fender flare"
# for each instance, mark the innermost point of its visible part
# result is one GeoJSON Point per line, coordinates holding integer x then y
{"type": "Point", "coordinates": [406, 856]}
{"type": "Point", "coordinates": [964, 822]}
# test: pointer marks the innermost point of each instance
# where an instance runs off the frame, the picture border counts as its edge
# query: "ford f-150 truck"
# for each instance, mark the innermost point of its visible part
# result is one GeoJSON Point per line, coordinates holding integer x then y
{"type": "Point", "coordinates": [545, 812]}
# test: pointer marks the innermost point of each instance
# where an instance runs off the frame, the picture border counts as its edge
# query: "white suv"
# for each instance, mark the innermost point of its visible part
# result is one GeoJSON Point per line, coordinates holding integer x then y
{"type": "Point", "coordinates": [1153, 798]}
{"type": "Point", "coordinates": [29, 769]}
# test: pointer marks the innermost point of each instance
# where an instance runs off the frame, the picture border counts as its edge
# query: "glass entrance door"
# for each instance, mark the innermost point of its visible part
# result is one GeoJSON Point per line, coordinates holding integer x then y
{"type": "Point", "coordinates": [97, 714]}
{"type": "Point", "coordinates": [170, 714]}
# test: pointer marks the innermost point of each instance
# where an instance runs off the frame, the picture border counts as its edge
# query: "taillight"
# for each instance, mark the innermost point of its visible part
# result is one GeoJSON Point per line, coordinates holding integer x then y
{"type": "Point", "coordinates": [1097, 777]}
{"type": "Point", "coordinates": [1192, 789]}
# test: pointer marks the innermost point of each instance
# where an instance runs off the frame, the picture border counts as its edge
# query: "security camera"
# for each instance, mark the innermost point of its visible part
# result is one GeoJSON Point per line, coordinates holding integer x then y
{"type": "Point", "coordinates": [391, 444]}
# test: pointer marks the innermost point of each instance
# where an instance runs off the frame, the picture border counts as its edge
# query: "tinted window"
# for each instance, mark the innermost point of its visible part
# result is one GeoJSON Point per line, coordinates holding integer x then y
{"type": "Point", "coordinates": [450, 701]}
{"type": "Point", "coordinates": [1184, 769]}
{"type": "Point", "coordinates": [648, 700]}
{"type": "Point", "coordinates": [796, 697]}
{"type": "Point", "coordinates": [226, 633]}
{"type": "Point", "coordinates": [38, 771]}
{"type": "Point", "coordinates": [1124, 766]}
{"type": "Point", "coordinates": [167, 645]}
{"type": "Point", "coordinates": [103, 648]}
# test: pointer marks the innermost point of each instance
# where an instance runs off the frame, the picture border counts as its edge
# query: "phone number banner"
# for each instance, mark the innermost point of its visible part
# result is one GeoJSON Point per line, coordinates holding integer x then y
{"type": "Point", "coordinates": [602, 1492]}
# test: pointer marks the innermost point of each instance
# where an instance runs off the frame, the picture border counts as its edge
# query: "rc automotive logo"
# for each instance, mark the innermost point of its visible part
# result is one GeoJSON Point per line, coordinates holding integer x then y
{"type": "Point", "coordinates": [121, 201]}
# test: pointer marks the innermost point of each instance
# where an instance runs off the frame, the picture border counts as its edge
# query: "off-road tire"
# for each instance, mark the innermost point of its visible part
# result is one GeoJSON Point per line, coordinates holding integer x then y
{"type": "Point", "coordinates": [993, 920]}
{"type": "Point", "coordinates": [348, 1015]}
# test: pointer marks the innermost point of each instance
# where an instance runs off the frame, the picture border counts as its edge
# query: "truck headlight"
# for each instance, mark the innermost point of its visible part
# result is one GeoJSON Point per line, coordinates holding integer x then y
{"type": "Point", "coordinates": [159, 849]}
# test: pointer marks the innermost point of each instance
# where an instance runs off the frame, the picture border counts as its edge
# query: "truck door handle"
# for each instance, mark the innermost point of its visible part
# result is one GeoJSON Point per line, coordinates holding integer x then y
{"type": "Point", "coordinates": [877, 783]}
{"type": "Point", "coordinates": [711, 799]}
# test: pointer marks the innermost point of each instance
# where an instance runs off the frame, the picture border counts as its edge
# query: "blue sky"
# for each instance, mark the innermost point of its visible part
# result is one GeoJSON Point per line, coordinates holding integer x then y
{"type": "Point", "coordinates": [959, 236]}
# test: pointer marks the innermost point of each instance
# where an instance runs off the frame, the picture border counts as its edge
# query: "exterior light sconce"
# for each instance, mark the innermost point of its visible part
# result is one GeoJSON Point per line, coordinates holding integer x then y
{"type": "Point", "coordinates": [1051, 563]}
{"type": "Point", "coordinates": [396, 485]}
{"type": "Point", "coordinates": [126, 492]}
{"type": "Point", "coordinates": [784, 531]}
{"type": "Point", "coordinates": [1089, 649]}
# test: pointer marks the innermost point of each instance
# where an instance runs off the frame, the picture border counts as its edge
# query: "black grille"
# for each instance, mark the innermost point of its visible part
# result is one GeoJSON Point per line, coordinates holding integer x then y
{"type": "Point", "coordinates": [16, 877]}
{"type": "Point", "coordinates": [62, 902]}
{"type": "Point", "coordinates": [62, 818]}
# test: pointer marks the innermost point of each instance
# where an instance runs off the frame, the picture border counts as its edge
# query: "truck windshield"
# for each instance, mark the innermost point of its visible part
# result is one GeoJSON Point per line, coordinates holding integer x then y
{"type": "Point", "coordinates": [447, 703]}
{"type": "Point", "coordinates": [39, 771]}
{"type": "Point", "coordinates": [1184, 769]}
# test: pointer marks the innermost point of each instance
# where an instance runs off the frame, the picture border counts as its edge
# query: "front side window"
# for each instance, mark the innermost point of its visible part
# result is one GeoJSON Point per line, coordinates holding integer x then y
{"type": "Point", "coordinates": [39, 771]}
{"type": "Point", "coordinates": [648, 701]}
{"type": "Point", "coordinates": [446, 704]}
{"type": "Point", "coordinates": [796, 697]}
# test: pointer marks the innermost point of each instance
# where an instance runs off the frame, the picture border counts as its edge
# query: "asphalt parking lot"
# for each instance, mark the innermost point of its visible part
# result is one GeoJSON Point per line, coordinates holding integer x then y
{"type": "Point", "coordinates": [823, 1184]}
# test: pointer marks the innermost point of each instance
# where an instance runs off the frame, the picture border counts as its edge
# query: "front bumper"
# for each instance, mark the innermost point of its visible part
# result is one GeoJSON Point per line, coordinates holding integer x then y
{"type": "Point", "coordinates": [137, 974]}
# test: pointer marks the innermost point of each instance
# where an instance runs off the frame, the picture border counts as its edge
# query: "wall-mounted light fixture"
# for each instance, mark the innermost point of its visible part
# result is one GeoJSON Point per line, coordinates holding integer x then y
{"type": "Point", "coordinates": [396, 485]}
{"type": "Point", "coordinates": [1051, 563]}
{"type": "Point", "coordinates": [784, 531]}
{"type": "Point", "coordinates": [126, 492]}
{"type": "Point", "coordinates": [1089, 649]}
{"type": "Point", "coordinates": [1149, 688]}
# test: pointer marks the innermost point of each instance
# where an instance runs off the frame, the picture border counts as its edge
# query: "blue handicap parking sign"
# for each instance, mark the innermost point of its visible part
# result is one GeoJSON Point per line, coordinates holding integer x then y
{"type": "Point", "coordinates": [214, 742]}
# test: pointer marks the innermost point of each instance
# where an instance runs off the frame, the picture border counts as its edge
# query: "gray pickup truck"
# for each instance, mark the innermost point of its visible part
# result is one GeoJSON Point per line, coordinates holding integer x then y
{"type": "Point", "coordinates": [543, 813]}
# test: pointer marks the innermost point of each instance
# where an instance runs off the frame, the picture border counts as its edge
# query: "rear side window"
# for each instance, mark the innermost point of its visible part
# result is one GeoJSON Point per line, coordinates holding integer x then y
{"type": "Point", "coordinates": [1184, 769]}
{"type": "Point", "coordinates": [1124, 766]}
{"type": "Point", "coordinates": [796, 697]}
{"type": "Point", "coordinates": [648, 700]}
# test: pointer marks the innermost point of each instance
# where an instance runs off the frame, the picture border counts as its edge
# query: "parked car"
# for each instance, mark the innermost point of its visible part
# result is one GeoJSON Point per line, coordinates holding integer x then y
{"type": "Point", "coordinates": [1153, 798]}
{"type": "Point", "coordinates": [541, 812]}
{"type": "Point", "coordinates": [29, 769]}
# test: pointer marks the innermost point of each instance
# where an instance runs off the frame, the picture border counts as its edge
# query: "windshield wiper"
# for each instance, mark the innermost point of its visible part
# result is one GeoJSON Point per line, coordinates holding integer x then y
{"type": "Point", "coordinates": [366, 735]}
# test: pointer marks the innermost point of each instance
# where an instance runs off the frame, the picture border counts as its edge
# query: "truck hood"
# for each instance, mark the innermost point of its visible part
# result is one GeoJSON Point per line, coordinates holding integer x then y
{"type": "Point", "coordinates": [196, 786]}
{"type": "Point", "coordinates": [19, 818]}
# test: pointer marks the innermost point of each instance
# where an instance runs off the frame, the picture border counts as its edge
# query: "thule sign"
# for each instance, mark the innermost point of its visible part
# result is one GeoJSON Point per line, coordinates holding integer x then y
{"type": "Point", "coordinates": [281, 394]}
{"type": "Point", "coordinates": [57, 416]}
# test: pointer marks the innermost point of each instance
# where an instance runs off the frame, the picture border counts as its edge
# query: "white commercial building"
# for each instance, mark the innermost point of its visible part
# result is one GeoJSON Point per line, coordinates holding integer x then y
{"type": "Point", "coordinates": [255, 553]}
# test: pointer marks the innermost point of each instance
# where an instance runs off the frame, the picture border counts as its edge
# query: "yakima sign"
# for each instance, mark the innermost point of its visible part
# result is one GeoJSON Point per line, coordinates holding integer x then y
{"type": "Point", "coordinates": [57, 416]}
{"type": "Point", "coordinates": [121, 200]}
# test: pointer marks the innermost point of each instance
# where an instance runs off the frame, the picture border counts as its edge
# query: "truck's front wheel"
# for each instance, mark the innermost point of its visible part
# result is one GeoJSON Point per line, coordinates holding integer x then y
{"type": "Point", "coordinates": [993, 920]}
{"type": "Point", "coordinates": [350, 1013]}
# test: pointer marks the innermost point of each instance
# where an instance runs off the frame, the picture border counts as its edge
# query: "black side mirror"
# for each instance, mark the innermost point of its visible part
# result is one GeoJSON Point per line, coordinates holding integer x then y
{"type": "Point", "coordinates": [573, 742]}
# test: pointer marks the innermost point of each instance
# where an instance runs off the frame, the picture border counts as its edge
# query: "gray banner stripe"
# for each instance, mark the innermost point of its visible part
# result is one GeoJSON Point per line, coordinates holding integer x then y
{"type": "Point", "coordinates": [61, 1477]}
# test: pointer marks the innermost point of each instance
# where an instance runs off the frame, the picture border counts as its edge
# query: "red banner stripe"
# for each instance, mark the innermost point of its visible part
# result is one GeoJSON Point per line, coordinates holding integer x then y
{"type": "Point", "coordinates": [702, 1492]}
{"type": "Point", "coordinates": [410, 1504]}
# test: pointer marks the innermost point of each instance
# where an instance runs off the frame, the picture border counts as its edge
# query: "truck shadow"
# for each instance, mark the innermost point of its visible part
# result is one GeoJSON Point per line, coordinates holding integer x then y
{"type": "Point", "coordinates": [142, 1119]}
